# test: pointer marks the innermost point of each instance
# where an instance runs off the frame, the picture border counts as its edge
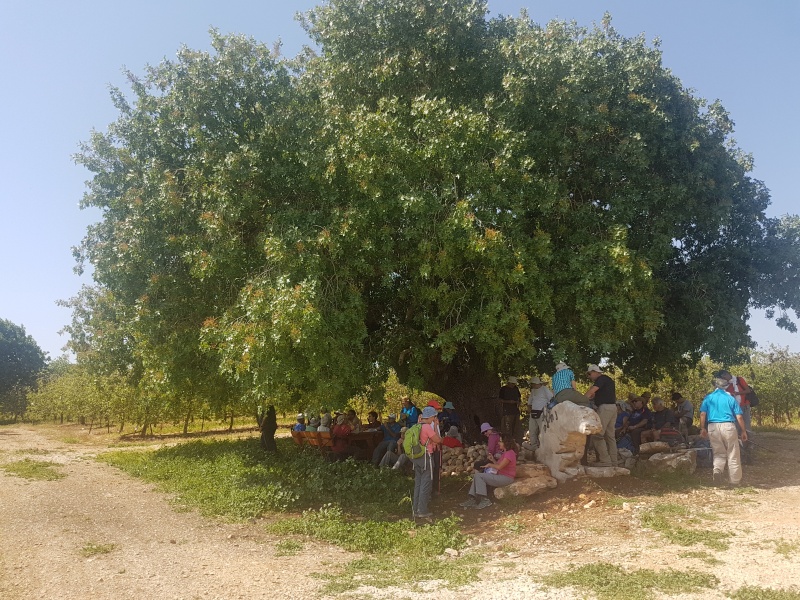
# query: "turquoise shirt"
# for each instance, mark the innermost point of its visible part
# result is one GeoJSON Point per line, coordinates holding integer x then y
{"type": "Point", "coordinates": [720, 407]}
{"type": "Point", "coordinates": [562, 380]}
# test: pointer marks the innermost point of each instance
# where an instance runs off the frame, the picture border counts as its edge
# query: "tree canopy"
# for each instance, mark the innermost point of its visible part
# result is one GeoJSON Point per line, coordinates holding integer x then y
{"type": "Point", "coordinates": [431, 191]}
{"type": "Point", "coordinates": [21, 361]}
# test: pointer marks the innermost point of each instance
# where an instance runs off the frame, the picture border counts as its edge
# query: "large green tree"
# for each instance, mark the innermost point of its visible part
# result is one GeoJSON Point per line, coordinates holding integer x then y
{"type": "Point", "coordinates": [432, 191]}
{"type": "Point", "coordinates": [21, 361]}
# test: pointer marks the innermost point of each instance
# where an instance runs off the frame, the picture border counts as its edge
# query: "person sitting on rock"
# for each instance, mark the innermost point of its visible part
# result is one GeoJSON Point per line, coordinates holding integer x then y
{"type": "Point", "coordinates": [661, 418]}
{"type": "Point", "coordinates": [449, 417]}
{"type": "Point", "coordinates": [452, 438]}
{"type": "Point", "coordinates": [684, 413]}
{"type": "Point", "coordinates": [623, 416]}
{"type": "Point", "coordinates": [638, 421]}
{"type": "Point", "coordinates": [499, 473]}
{"type": "Point", "coordinates": [564, 387]}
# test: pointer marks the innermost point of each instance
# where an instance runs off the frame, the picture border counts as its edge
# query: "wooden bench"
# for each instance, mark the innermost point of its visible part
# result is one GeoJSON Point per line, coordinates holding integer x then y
{"type": "Point", "coordinates": [323, 440]}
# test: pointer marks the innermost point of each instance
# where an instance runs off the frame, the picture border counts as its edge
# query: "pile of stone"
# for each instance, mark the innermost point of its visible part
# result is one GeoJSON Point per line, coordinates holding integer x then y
{"type": "Point", "coordinates": [460, 461]}
{"type": "Point", "coordinates": [660, 456]}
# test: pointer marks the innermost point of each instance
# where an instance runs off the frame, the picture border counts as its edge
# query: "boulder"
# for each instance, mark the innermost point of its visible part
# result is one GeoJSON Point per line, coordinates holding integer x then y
{"type": "Point", "coordinates": [685, 462]}
{"type": "Point", "coordinates": [653, 448]}
{"type": "Point", "coordinates": [601, 472]}
{"type": "Point", "coordinates": [562, 438]}
{"type": "Point", "coordinates": [527, 486]}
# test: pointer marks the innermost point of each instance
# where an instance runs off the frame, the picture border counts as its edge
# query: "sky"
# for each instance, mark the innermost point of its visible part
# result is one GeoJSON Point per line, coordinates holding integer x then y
{"type": "Point", "coordinates": [58, 59]}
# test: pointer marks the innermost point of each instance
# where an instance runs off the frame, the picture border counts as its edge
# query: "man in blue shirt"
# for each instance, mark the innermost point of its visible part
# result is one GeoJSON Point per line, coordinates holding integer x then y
{"type": "Point", "coordinates": [410, 411]}
{"type": "Point", "coordinates": [719, 414]}
{"type": "Point", "coordinates": [391, 433]}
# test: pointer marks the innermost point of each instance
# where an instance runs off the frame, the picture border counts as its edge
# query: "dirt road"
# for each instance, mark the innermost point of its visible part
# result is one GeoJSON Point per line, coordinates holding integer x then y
{"type": "Point", "coordinates": [49, 528]}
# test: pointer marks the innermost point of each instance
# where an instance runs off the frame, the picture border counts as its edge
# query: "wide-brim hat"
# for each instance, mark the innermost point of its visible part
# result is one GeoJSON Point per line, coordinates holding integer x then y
{"type": "Point", "coordinates": [535, 380]}
{"type": "Point", "coordinates": [561, 366]}
{"type": "Point", "coordinates": [449, 405]}
{"type": "Point", "coordinates": [428, 412]}
{"type": "Point", "coordinates": [512, 380]}
{"type": "Point", "coordinates": [485, 427]}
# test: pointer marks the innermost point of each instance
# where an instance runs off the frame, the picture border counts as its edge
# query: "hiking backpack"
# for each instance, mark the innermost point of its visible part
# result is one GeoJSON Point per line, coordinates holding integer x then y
{"type": "Point", "coordinates": [412, 445]}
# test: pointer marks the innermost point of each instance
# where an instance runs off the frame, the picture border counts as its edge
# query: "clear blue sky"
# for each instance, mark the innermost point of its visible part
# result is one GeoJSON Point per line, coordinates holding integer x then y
{"type": "Point", "coordinates": [58, 58]}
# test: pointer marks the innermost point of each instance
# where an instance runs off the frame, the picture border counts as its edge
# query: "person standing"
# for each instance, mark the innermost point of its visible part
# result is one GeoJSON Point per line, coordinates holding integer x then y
{"type": "Point", "coordinates": [719, 414]}
{"type": "Point", "coordinates": [424, 466]}
{"type": "Point", "coordinates": [510, 398]}
{"type": "Point", "coordinates": [538, 399]}
{"type": "Point", "coordinates": [604, 394]}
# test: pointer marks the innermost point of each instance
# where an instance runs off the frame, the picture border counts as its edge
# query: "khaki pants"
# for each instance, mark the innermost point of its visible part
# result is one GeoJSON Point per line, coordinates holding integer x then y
{"type": "Point", "coordinates": [605, 444]}
{"type": "Point", "coordinates": [725, 445]}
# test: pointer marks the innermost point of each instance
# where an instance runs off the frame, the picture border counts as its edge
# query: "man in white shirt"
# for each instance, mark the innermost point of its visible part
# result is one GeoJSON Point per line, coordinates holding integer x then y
{"type": "Point", "coordinates": [537, 400]}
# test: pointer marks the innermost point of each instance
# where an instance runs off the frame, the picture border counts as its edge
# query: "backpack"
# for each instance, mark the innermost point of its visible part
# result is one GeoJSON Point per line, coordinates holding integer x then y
{"type": "Point", "coordinates": [412, 445]}
{"type": "Point", "coordinates": [750, 394]}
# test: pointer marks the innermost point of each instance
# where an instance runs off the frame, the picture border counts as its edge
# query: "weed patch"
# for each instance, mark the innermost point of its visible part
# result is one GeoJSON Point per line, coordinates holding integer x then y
{"type": "Point", "coordinates": [33, 469]}
{"type": "Point", "coordinates": [92, 549]}
{"type": "Point", "coordinates": [785, 548]}
{"type": "Point", "coordinates": [287, 548]}
{"type": "Point", "coordinates": [750, 592]}
{"type": "Point", "coordinates": [392, 550]}
{"type": "Point", "coordinates": [667, 519]}
{"type": "Point", "coordinates": [706, 557]}
{"type": "Point", "coordinates": [610, 582]}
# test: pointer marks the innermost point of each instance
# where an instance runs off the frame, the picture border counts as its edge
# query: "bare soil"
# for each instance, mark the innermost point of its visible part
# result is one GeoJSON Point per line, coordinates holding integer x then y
{"type": "Point", "coordinates": [152, 550]}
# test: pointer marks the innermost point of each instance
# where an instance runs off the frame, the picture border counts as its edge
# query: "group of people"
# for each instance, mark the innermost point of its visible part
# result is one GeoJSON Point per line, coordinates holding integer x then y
{"type": "Point", "coordinates": [725, 416]}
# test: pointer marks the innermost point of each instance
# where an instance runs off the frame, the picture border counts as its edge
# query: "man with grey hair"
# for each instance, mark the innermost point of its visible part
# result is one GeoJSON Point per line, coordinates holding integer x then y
{"type": "Point", "coordinates": [719, 414]}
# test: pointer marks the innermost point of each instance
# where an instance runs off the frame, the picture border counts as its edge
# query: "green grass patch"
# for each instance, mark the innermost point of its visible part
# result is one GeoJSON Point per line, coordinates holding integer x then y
{"type": "Point", "coordinates": [287, 548]}
{"type": "Point", "coordinates": [392, 550]}
{"type": "Point", "coordinates": [617, 501]}
{"type": "Point", "coordinates": [33, 469]}
{"type": "Point", "coordinates": [34, 451]}
{"type": "Point", "coordinates": [750, 592]}
{"type": "Point", "coordinates": [92, 549]}
{"type": "Point", "coordinates": [513, 525]}
{"type": "Point", "coordinates": [785, 548]}
{"type": "Point", "coordinates": [610, 582]}
{"type": "Point", "coordinates": [668, 520]}
{"type": "Point", "coordinates": [235, 479]}
{"type": "Point", "coordinates": [706, 557]}
{"type": "Point", "coordinates": [71, 439]}
{"type": "Point", "coordinates": [675, 481]}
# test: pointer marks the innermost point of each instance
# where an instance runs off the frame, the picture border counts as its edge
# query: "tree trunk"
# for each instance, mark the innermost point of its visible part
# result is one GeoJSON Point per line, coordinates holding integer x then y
{"type": "Point", "coordinates": [230, 427]}
{"type": "Point", "coordinates": [474, 391]}
{"type": "Point", "coordinates": [269, 425]}
{"type": "Point", "coordinates": [186, 422]}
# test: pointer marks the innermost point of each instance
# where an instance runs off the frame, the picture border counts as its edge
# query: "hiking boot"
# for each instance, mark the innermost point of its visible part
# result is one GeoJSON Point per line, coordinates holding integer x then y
{"type": "Point", "coordinates": [471, 503]}
{"type": "Point", "coordinates": [716, 477]}
{"type": "Point", "coordinates": [484, 503]}
{"type": "Point", "coordinates": [427, 515]}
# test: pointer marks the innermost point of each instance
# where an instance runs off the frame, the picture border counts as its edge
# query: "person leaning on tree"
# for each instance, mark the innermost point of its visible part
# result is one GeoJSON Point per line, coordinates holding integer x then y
{"type": "Point", "coordinates": [719, 415]}
{"type": "Point", "coordinates": [538, 399]}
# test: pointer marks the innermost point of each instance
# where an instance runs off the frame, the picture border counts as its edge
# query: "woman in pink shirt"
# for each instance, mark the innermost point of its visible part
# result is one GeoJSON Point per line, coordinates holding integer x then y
{"type": "Point", "coordinates": [497, 473]}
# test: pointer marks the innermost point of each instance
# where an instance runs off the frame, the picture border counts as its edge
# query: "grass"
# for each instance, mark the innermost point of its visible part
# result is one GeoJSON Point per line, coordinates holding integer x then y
{"type": "Point", "coordinates": [617, 501]}
{"type": "Point", "coordinates": [92, 549]}
{"type": "Point", "coordinates": [667, 519]}
{"type": "Point", "coordinates": [235, 479]}
{"type": "Point", "coordinates": [287, 547]}
{"type": "Point", "coordinates": [750, 592]}
{"type": "Point", "coordinates": [706, 557]}
{"type": "Point", "coordinates": [610, 582]}
{"type": "Point", "coordinates": [392, 550]}
{"type": "Point", "coordinates": [785, 548]}
{"type": "Point", "coordinates": [34, 451]}
{"type": "Point", "coordinates": [34, 470]}
{"type": "Point", "coordinates": [513, 525]}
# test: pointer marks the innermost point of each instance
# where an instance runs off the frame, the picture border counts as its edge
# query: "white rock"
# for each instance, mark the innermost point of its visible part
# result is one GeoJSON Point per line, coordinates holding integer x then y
{"type": "Point", "coordinates": [601, 472]}
{"type": "Point", "coordinates": [527, 486]}
{"type": "Point", "coordinates": [653, 447]}
{"type": "Point", "coordinates": [562, 438]}
{"type": "Point", "coordinates": [685, 462]}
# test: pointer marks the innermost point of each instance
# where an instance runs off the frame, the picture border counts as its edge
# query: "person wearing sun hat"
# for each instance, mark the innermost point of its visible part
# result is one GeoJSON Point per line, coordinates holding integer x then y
{"type": "Point", "coordinates": [449, 417]}
{"type": "Point", "coordinates": [301, 423]}
{"type": "Point", "coordinates": [564, 387]}
{"type": "Point", "coordinates": [424, 467]}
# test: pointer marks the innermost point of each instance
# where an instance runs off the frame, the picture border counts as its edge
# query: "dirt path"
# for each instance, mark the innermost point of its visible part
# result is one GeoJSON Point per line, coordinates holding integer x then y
{"type": "Point", "coordinates": [158, 552]}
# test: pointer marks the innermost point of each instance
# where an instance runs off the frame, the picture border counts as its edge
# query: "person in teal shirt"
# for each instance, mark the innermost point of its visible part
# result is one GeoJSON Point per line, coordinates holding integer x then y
{"type": "Point", "coordinates": [719, 414]}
